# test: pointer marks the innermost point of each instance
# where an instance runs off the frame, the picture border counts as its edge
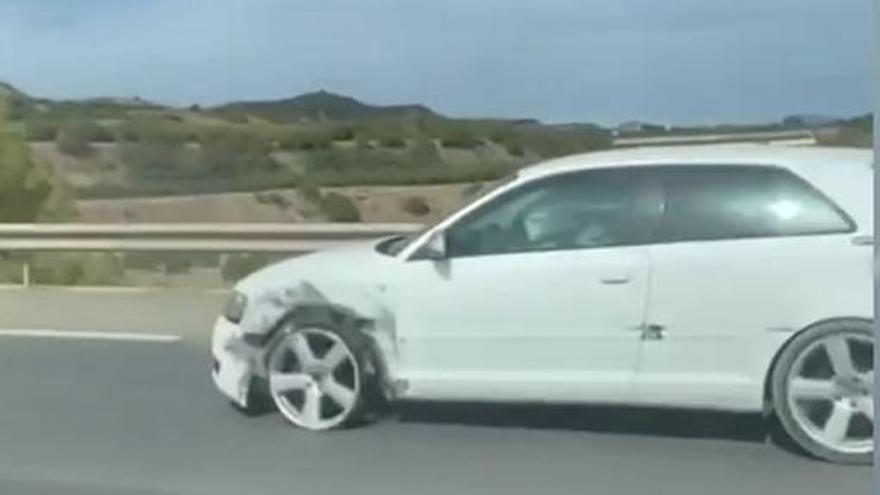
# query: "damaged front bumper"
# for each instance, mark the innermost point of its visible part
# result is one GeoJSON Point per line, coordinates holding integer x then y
{"type": "Point", "coordinates": [233, 366]}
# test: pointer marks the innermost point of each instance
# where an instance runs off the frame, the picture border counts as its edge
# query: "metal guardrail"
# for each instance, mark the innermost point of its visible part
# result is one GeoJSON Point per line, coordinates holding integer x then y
{"type": "Point", "coordinates": [216, 238]}
{"type": "Point", "coordinates": [268, 237]}
{"type": "Point", "coordinates": [265, 237]}
{"type": "Point", "coordinates": [801, 137]}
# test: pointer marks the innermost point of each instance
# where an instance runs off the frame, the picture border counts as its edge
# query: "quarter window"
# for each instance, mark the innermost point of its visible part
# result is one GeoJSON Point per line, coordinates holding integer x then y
{"type": "Point", "coordinates": [722, 202]}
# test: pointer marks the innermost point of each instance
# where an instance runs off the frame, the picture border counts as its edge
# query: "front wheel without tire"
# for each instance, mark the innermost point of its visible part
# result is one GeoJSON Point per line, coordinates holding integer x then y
{"type": "Point", "coordinates": [316, 378]}
{"type": "Point", "coordinates": [823, 391]}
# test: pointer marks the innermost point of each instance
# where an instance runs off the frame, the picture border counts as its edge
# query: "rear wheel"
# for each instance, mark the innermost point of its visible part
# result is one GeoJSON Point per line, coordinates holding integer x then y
{"type": "Point", "coordinates": [823, 391]}
{"type": "Point", "coordinates": [316, 377]}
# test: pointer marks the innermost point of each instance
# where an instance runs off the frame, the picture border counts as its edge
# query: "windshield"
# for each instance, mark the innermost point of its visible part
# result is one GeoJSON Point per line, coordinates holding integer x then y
{"type": "Point", "coordinates": [396, 245]}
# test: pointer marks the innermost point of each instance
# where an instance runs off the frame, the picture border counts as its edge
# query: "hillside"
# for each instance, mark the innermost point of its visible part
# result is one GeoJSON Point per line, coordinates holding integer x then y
{"type": "Point", "coordinates": [320, 106]}
{"type": "Point", "coordinates": [310, 145]}
{"type": "Point", "coordinates": [129, 147]}
{"type": "Point", "coordinates": [9, 91]}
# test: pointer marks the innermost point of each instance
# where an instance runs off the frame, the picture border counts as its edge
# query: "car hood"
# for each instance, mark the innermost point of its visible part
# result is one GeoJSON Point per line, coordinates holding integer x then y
{"type": "Point", "coordinates": [354, 276]}
{"type": "Point", "coordinates": [350, 264]}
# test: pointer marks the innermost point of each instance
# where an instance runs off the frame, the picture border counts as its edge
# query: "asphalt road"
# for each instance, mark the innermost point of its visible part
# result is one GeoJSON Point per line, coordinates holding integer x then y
{"type": "Point", "coordinates": [141, 418]}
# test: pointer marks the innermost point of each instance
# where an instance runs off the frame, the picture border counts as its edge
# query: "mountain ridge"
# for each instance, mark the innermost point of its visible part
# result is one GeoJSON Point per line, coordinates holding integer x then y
{"type": "Point", "coordinates": [319, 106]}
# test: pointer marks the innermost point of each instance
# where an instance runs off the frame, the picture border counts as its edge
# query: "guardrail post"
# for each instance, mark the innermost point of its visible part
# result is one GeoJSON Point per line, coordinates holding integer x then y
{"type": "Point", "coordinates": [26, 273]}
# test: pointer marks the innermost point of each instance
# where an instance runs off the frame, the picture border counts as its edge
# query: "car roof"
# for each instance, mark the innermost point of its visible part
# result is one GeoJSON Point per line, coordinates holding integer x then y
{"type": "Point", "coordinates": [797, 158]}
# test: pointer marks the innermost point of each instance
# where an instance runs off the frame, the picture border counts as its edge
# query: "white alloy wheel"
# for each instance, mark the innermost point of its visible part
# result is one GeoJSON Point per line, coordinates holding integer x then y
{"type": "Point", "coordinates": [827, 392]}
{"type": "Point", "coordinates": [314, 379]}
{"type": "Point", "coordinates": [835, 408]}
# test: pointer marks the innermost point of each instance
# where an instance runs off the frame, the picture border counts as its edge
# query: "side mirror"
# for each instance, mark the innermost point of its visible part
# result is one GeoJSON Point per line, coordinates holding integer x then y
{"type": "Point", "coordinates": [434, 248]}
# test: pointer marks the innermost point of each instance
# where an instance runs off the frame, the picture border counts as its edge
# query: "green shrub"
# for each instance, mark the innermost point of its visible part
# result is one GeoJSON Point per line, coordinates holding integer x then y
{"type": "Point", "coordinates": [26, 186]}
{"type": "Point", "coordinates": [157, 160]}
{"type": "Point", "coordinates": [126, 132]}
{"type": "Point", "coordinates": [142, 260]}
{"type": "Point", "coordinates": [56, 272]}
{"type": "Point", "coordinates": [362, 143]}
{"type": "Point", "coordinates": [234, 117]}
{"type": "Point", "coordinates": [177, 263]}
{"type": "Point", "coordinates": [424, 151]}
{"type": "Point", "coordinates": [515, 149]}
{"type": "Point", "coordinates": [307, 140]}
{"type": "Point", "coordinates": [339, 208]}
{"type": "Point", "coordinates": [341, 133]}
{"type": "Point", "coordinates": [273, 198]}
{"type": "Point", "coordinates": [453, 134]}
{"type": "Point", "coordinates": [170, 263]}
{"type": "Point", "coordinates": [380, 129]}
{"type": "Point", "coordinates": [152, 129]}
{"type": "Point", "coordinates": [309, 191]}
{"type": "Point", "coordinates": [176, 183]}
{"type": "Point", "coordinates": [238, 266]}
{"type": "Point", "coordinates": [40, 130]}
{"type": "Point", "coordinates": [101, 269]}
{"type": "Point", "coordinates": [17, 107]}
{"type": "Point", "coordinates": [395, 142]}
{"type": "Point", "coordinates": [71, 142]}
{"type": "Point", "coordinates": [230, 153]}
{"type": "Point", "coordinates": [415, 205]}
{"type": "Point", "coordinates": [76, 269]}
{"type": "Point", "coordinates": [461, 142]}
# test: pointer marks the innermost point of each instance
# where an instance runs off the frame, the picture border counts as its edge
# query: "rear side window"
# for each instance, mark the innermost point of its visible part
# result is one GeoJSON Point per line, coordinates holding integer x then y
{"type": "Point", "coordinates": [720, 202]}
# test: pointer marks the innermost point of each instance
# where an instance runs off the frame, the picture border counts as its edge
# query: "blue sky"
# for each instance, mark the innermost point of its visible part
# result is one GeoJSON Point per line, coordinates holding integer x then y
{"type": "Point", "coordinates": [677, 61]}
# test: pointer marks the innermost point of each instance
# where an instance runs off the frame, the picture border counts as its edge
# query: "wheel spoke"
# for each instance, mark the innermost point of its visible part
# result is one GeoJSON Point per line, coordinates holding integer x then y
{"type": "Point", "coordinates": [312, 406]}
{"type": "Point", "coordinates": [812, 389]}
{"type": "Point", "coordinates": [340, 394]}
{"type": "Point", "coordinates": [868, 378]}
{"type": "Point", "coordinates": [840, 356]}
{"type": "Point", "coordinates": [335, 356]}
{"type": "Point", "coordinates": [285, 382]}
{"type": "Point", "coordinates": [866, 407]}
{"type": "Point", "coordinates": [300, 346]}
{"type": "Point", "coordinates": [837, 425]}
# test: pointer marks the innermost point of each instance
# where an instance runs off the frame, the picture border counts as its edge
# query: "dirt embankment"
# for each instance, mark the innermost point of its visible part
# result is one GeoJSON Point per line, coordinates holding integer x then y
{"type": "Point", "coordinates": [376, 204]}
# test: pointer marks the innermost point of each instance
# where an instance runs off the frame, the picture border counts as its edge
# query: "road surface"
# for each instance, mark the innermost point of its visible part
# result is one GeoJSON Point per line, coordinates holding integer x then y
{"type": "Point", "coordinates": [140, 417]}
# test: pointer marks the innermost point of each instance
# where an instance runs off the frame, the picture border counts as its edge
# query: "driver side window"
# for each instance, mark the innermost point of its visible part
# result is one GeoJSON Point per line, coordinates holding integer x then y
{"type": "Point", "coordinates": [567, 211]}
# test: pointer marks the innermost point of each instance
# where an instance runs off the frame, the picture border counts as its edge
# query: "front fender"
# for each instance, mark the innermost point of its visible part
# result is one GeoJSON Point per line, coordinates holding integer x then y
{"type": "Point", "coordinates": [268, 310]}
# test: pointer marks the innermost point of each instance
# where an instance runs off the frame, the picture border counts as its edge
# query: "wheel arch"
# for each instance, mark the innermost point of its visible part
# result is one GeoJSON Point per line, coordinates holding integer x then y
{"type": "Point", "coordinates": [340, 316]}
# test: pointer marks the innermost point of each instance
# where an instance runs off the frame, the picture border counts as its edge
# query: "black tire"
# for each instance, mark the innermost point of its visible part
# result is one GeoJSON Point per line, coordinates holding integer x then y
{"type": "Point", "coordinates": [779, 389]}
{"type": "Point", "coordinates": [357, 344]}
{"type": "Point", "coordinates": [258, 401]}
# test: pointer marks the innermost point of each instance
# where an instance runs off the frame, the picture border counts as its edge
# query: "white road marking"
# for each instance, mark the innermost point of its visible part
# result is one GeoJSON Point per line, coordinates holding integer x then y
{"type": "Point", "coordinates": [80, 288]}
{"type": "Point", "coordinates": [87, 335]}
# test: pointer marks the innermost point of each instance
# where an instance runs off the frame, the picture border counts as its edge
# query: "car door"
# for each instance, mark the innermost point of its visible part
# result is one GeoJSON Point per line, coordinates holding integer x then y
{"type": "Point", "coordinates": [737, 251]}
{"type": "Point", "coordinates": [540, 296]}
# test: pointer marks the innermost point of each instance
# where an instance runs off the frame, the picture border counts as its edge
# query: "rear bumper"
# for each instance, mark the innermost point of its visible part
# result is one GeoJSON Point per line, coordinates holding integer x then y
{"type": "Point", "coordinates": [231, 371]}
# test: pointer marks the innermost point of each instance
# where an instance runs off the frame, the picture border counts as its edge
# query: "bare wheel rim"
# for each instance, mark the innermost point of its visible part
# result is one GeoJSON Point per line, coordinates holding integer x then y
{"type": "Point", "coordinates": [831, 392]}
{"type": "Point", "coordinates": [314, 378]}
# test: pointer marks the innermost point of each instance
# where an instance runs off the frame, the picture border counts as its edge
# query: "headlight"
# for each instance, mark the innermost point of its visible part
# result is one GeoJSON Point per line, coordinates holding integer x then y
{"type": "Point", "coordinates": [235, 306]}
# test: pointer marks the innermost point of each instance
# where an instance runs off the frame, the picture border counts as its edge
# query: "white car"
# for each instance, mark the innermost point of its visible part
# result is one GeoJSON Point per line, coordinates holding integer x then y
{"type": "Point", "coordinates": [733, 278]}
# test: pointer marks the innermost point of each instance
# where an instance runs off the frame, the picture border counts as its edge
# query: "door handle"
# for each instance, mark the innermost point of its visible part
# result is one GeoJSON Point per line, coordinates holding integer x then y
{"type": "Point", "coordinates": [652, 331]}
{"type": "Point", "coordinates": [618, 280]}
